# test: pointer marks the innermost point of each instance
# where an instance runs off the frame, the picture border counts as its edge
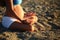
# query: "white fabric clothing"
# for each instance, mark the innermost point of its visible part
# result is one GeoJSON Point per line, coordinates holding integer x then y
{"type": "Point", "coordinates": [7, 21]}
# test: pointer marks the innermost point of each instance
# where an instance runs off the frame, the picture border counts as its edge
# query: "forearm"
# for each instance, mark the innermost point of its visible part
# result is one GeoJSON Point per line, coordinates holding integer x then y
{"type": "Point", "coordinates": [13, 13]}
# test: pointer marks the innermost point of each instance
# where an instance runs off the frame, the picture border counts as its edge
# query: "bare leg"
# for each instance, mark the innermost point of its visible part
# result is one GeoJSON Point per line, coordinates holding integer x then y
{"type": "Point", "coordinates": [17, 26]}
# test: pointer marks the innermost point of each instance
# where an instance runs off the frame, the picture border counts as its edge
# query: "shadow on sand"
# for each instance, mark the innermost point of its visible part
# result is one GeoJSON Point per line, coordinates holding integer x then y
{"type": "Point", "coordinates": [54, 26]}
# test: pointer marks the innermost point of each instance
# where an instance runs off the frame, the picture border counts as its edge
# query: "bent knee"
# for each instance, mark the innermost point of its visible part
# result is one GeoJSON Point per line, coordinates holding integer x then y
{"type": "Point", "coordinates": [32, 28]}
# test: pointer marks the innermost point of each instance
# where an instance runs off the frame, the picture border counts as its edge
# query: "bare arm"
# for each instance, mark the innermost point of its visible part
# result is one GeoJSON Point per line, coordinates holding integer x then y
{"type": "Point", "coordinates": [9, 5]}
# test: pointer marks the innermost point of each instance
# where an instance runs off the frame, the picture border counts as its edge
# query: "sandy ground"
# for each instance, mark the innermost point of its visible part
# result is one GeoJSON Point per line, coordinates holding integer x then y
{"type": "Point", "coordinates": [48, 12]}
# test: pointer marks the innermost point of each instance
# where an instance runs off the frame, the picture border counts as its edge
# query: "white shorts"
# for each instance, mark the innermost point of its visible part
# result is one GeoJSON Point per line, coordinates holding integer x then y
{"type": "Point", "coordinates": [7, 21]}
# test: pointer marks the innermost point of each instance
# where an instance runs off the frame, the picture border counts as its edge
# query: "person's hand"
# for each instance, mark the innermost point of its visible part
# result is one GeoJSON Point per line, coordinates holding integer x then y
{"type": "Point", "coordinates": [29, 14]}
{"type": "Point", "coordinates": [31, 17]}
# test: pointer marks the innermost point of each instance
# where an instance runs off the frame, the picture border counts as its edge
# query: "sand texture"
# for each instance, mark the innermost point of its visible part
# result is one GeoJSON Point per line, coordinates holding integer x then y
{"type": "Point", "coordinates": [48, 13]}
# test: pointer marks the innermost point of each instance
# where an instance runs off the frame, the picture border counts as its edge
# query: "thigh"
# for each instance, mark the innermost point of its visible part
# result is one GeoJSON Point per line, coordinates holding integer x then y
{"type": "Point", "coordinates": [18, 26]}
